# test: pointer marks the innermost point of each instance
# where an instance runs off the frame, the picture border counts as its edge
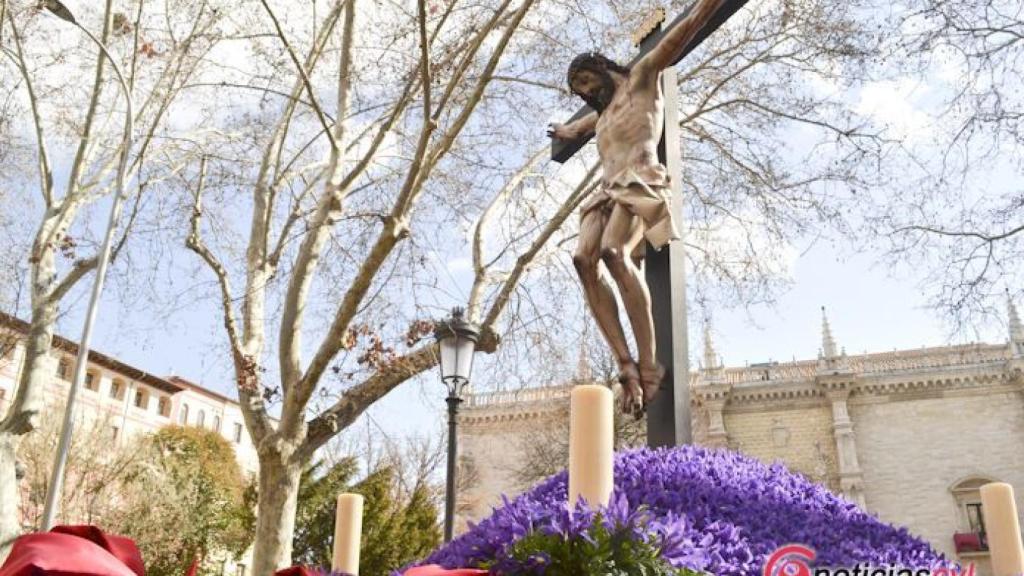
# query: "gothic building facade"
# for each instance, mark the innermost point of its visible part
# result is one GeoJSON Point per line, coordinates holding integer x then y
{"type": "Point", "coordinates": [909, 435]}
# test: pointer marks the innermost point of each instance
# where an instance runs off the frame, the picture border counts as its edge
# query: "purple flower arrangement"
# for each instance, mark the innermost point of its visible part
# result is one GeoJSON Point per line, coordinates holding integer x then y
{"type": "Point", "coordinates": [705, 510]}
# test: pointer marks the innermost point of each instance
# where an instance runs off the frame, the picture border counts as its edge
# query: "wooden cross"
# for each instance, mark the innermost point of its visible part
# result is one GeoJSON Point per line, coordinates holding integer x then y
{"type": "Point", "coordinates": [668, 415]}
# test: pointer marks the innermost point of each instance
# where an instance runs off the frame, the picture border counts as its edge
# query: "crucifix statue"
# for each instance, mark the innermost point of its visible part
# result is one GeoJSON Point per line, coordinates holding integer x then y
{"type": "Point", "coordinates": [632, 111]}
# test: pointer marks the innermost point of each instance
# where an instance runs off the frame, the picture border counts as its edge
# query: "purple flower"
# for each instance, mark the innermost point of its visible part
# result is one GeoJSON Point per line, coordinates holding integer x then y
{"type": "Point", "coordinates": [711, 510]}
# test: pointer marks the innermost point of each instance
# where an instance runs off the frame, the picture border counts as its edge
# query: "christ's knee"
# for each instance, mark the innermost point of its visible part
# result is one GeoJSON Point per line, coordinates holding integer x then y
{"type": "Point", "coordinates": [613, 258]}
{"type": "Point", "coordinates": [585, 264]}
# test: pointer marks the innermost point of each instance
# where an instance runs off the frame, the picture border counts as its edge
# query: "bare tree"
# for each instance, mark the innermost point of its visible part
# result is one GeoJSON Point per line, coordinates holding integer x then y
{"type": "Point", "coordinates": [438, 94]}
{"type": "Point", "coordinates": [99, 461]}
{"type": "Point", "coordinates": [353, 204]}
{"type": "Point", "coordinates": [73, 127]}
{"type": "Point", "coordinates": [959, 211]}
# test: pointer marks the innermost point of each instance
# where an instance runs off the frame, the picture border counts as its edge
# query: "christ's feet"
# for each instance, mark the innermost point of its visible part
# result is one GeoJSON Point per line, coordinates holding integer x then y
{"type": "Point", "coordinates": [650, 379]}
{"type": "Point", "coordinates": [632, 392]}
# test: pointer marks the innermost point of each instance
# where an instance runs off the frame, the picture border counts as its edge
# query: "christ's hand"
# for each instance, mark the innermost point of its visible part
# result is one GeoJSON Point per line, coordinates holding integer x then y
{"type": "Point", "coordinates": [560, 131]}
{"type": "Point", "coordinates": [576, 129]}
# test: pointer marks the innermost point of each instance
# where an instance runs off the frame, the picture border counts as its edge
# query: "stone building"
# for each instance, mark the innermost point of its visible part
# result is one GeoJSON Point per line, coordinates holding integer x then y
{"type": "Point", "coordinates": [909, 435]}
{"type": "Point", "coordinates": [128, 401]}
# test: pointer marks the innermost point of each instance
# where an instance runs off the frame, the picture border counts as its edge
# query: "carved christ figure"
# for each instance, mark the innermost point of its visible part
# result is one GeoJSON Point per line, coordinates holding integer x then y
{"type": "Point", "coordinates": [634, 200]}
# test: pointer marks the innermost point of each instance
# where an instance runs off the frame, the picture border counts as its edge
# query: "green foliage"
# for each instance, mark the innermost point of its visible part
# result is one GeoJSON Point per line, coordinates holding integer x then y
{"type": "Point", "coordinates": [603, 551]}
{"type": "Point", "coordinates": [399, 526]}
{"type": "Point", "coordinates": [184, 498]}
{"type": "Point", "coordinates": [314, 515]}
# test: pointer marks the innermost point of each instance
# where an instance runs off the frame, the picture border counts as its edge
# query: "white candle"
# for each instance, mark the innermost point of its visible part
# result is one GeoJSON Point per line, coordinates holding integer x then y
{"type": "Point", "coordinates": [348, 532]}
{"type": "Point", "coordinates": [1003, 529]}
{"type": "Point", "coordinates": [591, 440]}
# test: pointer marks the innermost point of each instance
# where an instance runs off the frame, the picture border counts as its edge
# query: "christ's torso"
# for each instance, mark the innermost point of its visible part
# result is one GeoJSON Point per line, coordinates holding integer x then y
{"type": "Point", "coordinates": [629, 130]}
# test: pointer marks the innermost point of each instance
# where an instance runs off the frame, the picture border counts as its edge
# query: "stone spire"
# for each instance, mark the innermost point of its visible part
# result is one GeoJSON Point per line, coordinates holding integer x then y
{"type": "Point", "coordinates": [828, 344]}
{"type": "Point", "coordinates": [830, 359]}
{"type": "Point", "coordinates": [1016, 328]}
{"type": "Point", "coordinates": [711, 360]}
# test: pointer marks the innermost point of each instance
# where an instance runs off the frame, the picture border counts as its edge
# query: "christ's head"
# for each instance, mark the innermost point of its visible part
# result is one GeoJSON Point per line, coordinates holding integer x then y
{"type": "Point", "coordinates": [590, 78]}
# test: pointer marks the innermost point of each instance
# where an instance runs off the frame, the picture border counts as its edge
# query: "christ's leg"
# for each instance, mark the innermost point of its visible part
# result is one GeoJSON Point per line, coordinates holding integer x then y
{"type": "Point", "coordinates": [603, 305]}
{"type": "Point", "coordinates": [621, 237]}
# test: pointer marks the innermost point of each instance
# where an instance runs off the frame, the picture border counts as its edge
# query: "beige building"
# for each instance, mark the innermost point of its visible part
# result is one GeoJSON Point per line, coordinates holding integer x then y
{"type": "Point", "coordinates": [129, 401]}
{"type": "Point", "coordinates": [909, 435]}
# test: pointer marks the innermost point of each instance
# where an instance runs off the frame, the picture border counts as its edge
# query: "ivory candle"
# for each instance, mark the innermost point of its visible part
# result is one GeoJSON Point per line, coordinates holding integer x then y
{"type": "Point", "coordinates": [348, 532]}
{"type": "Point", "coordinates": [1003, 529]}
{"type": "Point", "coordinates": [591, 439]}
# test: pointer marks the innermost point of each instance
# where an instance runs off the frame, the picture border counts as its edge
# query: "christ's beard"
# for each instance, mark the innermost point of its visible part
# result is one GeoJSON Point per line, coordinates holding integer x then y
{"type": "Point", "coordinates": [604, 96]}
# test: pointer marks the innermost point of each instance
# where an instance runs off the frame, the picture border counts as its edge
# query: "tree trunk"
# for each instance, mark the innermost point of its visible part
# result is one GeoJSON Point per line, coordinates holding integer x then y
{"type": "Point", "coordinates": [275, 513]}
{"type": "Point", "coordinates": [9, 497]}
{"type": "Point", "coordinates": [23, 414]}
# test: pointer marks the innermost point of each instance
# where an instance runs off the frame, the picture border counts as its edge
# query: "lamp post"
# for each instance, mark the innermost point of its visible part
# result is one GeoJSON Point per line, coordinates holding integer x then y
{"type": "Point", "coordinates": [103, 259]}
{"type": "Point", "coordinates": [457, 340]}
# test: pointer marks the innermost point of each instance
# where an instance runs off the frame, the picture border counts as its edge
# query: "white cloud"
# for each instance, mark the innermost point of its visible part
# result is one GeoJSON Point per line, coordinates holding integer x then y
{"type": "Point", "coordinates": [897, 106]}
{"type": "Point", "coordinates": [462, 264]}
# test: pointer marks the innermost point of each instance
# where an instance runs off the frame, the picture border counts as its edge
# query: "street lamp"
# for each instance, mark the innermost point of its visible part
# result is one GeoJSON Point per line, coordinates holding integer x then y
{"type": "Point", "coordinates": [103, 259]}
{"type": "Point", "coordinates": [457, 340]}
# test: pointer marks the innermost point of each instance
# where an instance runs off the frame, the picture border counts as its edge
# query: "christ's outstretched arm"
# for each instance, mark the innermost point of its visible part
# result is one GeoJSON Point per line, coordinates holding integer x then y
{"type": "Point", "coordinates": [584, 127]}
{"type": "Point", "coordinates": [672, 44]}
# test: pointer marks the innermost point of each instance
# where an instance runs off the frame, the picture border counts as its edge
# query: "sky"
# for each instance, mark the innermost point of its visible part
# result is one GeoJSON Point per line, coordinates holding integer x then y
{"type": "Point", "coordinates": [871, 306]}
{"type": "Point", "coordinates": [869, 309]}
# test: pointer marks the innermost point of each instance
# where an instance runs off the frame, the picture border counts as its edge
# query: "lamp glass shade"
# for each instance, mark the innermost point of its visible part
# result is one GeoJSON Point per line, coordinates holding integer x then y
{"type": "Point", "coordinates": [449, 356]}
{"type": "Point", "coordinates": [464, 358]}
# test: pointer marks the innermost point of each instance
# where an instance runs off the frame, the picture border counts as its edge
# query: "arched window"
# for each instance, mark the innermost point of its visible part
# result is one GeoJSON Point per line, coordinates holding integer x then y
{"type": "Point", "coordinates": [201, 418]}
{"type": "Point", "coordinates": [970, 535]}
{"type": "Point", "coordinates": [216, 423]}
{"type": "Point", "coordinates": [183, 414]}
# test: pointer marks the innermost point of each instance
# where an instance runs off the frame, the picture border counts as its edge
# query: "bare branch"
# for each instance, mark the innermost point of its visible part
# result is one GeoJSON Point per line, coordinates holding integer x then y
{"type": "Point", "coordinates": [78, 164]}
{"type": "Point", "coordinates": [480, 280]}
{"type": "Point", "coordinates": [396, 224]}
{"type": "Point", "coordinates": [584, 188]}
{"type": "Point", "coordinates": [297, 392]}
{"type": "Point", "coordinates": [45, 172]}
{"type": "Point", "coordinates": [301, 70]}
{"type": "Point", "coordinates": [194, 242]}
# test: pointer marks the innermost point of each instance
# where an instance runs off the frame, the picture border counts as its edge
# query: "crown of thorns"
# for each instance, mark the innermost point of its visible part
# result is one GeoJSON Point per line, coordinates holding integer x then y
{"type": "Point", "coordinates": [594, 62]}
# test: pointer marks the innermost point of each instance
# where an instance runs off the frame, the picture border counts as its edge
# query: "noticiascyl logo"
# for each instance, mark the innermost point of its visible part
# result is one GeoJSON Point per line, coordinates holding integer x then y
{"type": "Point", "coordinates": [796, 559]}
{"type": "Point", "coordinates": [790, 560]}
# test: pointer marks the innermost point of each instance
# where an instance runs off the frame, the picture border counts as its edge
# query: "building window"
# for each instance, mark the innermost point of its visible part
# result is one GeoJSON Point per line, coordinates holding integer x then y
{"type": "Point", "coordinates": [975, 518]}
{"type": "Point", "coordinates": [164, 406]}
{"type": "Point", "coordinates": [238, 433]}
{"type": "Point", "coordinates": [183, 415]}
{"type": "Point", "coordinates": [92, 381]}
{"type": "Point", "coordinates": [141, 399]}
{"type": "Point", "coordinates": [240, 570]}
{"type": "Point", "coordinates": [117, 389]}
{"type": "Point", "coordinates": [216, 423]}
{"type": "Point", "coordinates": [3, 394]}
{"type": "Point", "coordinates": [970, 535]}
{"type": "Point", "coordinates": [201, 418]}
{"type": "Point", "coordinates": [63, 368]}
{"type": "Point", "coordinates": [114, 430]}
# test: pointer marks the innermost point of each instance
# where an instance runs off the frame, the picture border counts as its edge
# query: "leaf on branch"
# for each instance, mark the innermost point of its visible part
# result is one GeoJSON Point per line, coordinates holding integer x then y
{"type": "Point", "coordinates": [148, 50]}
{"type": "Point", "coordinates": [417, 331]}
{"type": "Point", "coordinates": [67, 247]}
{"type": "Point", "coordinates": [122, 25]}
